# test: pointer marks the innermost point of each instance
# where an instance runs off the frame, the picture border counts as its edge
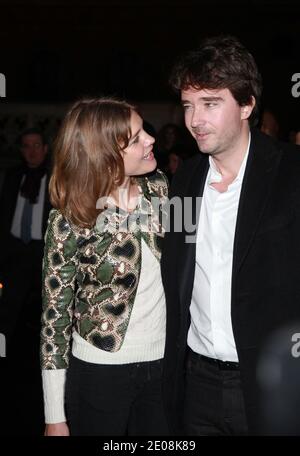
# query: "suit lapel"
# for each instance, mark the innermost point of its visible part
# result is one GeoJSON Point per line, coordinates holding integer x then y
{"type": "Point", "coordinates": [194, 190]}
{"type": "Point", "coordinates": [260, 172]}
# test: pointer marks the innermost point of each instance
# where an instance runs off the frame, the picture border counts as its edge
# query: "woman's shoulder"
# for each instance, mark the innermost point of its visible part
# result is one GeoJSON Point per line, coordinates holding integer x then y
{"type": "Point", "coordinates": [59, 223]}
{"type": "Point", "coordinates": [60, 236]}
{"type": "Point", "coordinates": [158, 181]}
{"type": "Point", "coordinates": [56, 217]}
{"type": "Point", "coordinates": [63, 225]}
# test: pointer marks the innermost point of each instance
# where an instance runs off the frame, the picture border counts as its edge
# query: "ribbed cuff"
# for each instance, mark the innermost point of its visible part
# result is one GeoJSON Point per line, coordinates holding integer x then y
{"type": "Point", "coordinates": [54, 395]}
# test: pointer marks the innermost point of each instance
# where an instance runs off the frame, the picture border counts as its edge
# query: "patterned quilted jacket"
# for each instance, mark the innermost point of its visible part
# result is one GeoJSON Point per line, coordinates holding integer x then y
{"type": "Point", "coordinates": [90, 276]}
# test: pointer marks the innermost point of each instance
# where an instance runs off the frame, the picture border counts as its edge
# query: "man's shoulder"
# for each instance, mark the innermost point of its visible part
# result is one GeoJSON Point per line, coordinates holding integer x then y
{"type": "Point", "coordinates": [290, 157]}
{"type": "Point", "coordinates": [188, 166]}
{"type": "Point", "coordinates": [264, 141]}
{"type": "Point", "coordinates": [286, 155]}
{"type": "Point", "coordinates": [195, 160]}
{"type": "Point", "coordinates": [290, 164]}
{"type": "Point", "coordinates": [290, 150]}
{"type": "Point", "coordinates": [14, 170]}
{"type": "Point", "coordinates": [11, 178]}
{"type": "Point", "coordinates": [187, 170]}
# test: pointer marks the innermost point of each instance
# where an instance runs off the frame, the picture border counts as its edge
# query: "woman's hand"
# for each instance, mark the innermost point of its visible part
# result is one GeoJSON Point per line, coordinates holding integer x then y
{"type": "Point", "coordinates": [57, 429]}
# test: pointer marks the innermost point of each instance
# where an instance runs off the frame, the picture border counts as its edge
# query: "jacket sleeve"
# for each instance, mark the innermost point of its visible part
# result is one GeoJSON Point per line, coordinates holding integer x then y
{"type": "Point", "coordinates": [59, 278]}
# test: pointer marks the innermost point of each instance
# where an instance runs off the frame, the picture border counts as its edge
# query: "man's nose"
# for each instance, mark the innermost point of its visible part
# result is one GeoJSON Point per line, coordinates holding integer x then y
{"type": "Point", "coordinates": [198, 118]}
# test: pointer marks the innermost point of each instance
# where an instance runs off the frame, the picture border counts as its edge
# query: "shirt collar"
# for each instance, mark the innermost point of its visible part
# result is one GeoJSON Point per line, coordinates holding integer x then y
{"type": "Point", "coordinates": [216, 176]}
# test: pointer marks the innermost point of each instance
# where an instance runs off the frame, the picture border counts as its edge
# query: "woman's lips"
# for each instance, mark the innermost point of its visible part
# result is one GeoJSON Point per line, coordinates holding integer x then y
{"type": "Point", "coordinates": [149, 156]}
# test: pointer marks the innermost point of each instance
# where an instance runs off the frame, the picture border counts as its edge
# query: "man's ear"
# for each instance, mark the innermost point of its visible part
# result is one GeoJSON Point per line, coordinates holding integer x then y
{"type": "Point", "coordinates": [247, 109]}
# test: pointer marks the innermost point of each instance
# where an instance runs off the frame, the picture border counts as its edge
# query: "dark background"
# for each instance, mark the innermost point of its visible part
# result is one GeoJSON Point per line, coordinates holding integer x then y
{"type": "Point", "coordinates": [56, 51]}
{"type": "Point", "coordinates": [53, 52]}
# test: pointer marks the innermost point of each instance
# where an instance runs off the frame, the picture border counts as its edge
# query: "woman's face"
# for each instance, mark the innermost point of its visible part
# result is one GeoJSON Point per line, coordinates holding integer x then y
{"type": "Point", "coordinates": [138, 156]}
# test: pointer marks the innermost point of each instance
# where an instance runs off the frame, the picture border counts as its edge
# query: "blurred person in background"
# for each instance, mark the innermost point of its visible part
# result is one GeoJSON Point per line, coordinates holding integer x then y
{"type": "Point", "coordinates": [269, 124]}
{"type": "Point", "coordinates": [24, 213]}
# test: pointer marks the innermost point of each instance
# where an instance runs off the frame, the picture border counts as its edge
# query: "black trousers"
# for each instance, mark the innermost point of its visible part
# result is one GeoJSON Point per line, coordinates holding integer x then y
{"type": "Point", "coordinates": [115, 400]}
{"type": "Point", "coordinates": [214, 403]}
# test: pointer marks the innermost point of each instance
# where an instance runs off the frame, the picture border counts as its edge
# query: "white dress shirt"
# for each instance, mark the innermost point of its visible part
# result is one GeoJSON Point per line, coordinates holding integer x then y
{"type": "Point", "coordinates": [210, 332]}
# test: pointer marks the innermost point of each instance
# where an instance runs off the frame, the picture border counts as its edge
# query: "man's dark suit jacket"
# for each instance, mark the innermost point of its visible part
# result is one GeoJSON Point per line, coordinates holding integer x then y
{"type": "Point", "coordinates": [8, 201]}
{"type": "Point", "coordinates": [265, 272]}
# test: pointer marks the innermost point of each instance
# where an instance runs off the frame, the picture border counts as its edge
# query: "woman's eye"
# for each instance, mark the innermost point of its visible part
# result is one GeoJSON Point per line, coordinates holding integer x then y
{"type": "Point", "coordinates": [136, 140]}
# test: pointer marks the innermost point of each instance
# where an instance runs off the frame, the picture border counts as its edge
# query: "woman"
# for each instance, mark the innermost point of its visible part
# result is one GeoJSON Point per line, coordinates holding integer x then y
{"type": "Point", "coordinates": [103, 329]}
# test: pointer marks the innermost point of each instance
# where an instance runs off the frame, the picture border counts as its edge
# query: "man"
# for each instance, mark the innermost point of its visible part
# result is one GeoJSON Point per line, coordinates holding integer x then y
{"type": "Point", "coordinates": [24, 212]}
{"type": "Point", "coordinates": [235, 279]}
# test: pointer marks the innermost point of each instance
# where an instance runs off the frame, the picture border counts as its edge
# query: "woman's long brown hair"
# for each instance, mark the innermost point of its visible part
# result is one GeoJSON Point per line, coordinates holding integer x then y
{"type": "Point", "coordinates": [88, 163]}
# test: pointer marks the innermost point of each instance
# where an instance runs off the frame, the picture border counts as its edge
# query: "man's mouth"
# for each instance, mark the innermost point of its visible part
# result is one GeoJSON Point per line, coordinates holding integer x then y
{"type": "Point", "coordinates": [201, 135]}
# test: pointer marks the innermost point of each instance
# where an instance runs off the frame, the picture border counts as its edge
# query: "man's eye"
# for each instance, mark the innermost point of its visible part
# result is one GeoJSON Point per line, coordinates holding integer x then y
{"type": "Point", "coordinates": [186, 107]}
{"type": "Point", "coordinates": [211, 104]}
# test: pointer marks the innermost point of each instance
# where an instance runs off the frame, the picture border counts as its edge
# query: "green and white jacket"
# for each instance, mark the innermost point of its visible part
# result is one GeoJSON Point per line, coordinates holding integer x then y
{"type": "Point", "coordinates": [90, 276]}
